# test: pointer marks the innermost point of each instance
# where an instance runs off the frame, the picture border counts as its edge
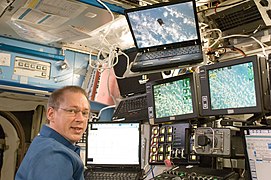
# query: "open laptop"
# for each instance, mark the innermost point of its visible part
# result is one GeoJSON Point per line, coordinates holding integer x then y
{"type": "Point", "coordinates": [257, 141]}
{"type": "Point", "coordinates": [133, 105]}
{"type": "Point", "coordinates": [113, 149]}
{"type": "Point", "coordinates": [166, 35]}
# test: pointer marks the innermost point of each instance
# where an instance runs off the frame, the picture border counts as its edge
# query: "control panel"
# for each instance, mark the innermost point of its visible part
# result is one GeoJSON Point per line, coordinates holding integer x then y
{"type": "Point", "coordinates": [171, 142]}
{"type": "Point", "coordinates": [32, 68]}
{"type": "Point", "coordinates": [25, 67]}
{"type": "Point", "coordinates": [197, 173]}
{"type": "Point", "coordinates": [213, 141]}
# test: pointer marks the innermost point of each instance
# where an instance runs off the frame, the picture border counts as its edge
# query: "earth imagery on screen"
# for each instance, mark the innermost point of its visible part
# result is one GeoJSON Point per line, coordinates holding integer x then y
{"type": "Point", "coordinates": [232, 86]}
{"type": "Point", "coordinates": [173, 98]}
{"type": "Point", "coordinates": [164, 25]}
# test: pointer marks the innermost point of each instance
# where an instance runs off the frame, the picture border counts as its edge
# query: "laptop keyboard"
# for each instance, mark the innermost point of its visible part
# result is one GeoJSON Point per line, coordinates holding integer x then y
{"type": "Point", "coordinates": [133, 104]}
{"type": "Point", "coordinates": [132, 109]}
{"type": "Point", "coordinates": [89, 175]}
{"type": "Point", "coordinates": [171, 52]}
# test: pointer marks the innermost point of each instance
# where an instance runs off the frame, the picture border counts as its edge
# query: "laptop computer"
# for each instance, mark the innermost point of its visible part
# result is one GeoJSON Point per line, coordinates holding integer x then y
{"type": "Point", "coordinates": [166, 35]}
{"type": "Point", "coordinates": [133, 105]}
{"type": "Point", "coordinates": [257, 141]}
{"type": "Point", "coordinates": [113, 149]}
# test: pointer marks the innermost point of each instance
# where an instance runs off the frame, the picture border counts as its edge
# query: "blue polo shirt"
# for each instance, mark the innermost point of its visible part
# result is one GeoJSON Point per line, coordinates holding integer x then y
{"type": "Point", "coordinates": [51, 157]}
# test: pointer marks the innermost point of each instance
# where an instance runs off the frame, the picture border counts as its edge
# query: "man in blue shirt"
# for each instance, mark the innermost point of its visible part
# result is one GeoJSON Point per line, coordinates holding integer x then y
{"type": "Point", "coordinates": [53, 154]}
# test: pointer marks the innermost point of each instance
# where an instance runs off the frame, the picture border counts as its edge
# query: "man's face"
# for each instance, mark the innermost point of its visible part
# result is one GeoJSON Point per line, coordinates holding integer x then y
{"type": "Point", "coordinates": [71, 117]}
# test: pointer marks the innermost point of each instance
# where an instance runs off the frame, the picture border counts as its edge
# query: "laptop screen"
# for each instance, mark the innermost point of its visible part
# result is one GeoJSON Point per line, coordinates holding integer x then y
{"type": "Point", "coordinates": [164, 24]}
{"type": "Point", "coordinates": [113, 143]}
{"type": "Point", "coordinates": [258, 152]}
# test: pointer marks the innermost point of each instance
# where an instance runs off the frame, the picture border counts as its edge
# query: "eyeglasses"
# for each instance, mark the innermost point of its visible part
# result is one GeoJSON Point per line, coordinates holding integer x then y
{"type": "Point", "coordinates": [73, 112]}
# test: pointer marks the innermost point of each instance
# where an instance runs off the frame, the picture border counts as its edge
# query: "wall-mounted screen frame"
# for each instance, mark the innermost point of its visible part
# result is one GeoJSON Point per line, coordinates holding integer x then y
{"type": "Point", "coordinates": [172, 99]}
{"type": "Point", "coordinates": [233, 87]}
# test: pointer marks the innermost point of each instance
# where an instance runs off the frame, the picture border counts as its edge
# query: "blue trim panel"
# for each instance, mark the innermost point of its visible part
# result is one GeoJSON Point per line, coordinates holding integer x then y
{"type": "Point", "coordinates": [25, 43]}
{"type": "Point", "coordinates": [21, 92]}
{"type": "Point", "coordinates": [26, 86]}
{"type": "Point", "coordinates": [112, 7]}
{"type": "Point", "coordinates": [16, 49]}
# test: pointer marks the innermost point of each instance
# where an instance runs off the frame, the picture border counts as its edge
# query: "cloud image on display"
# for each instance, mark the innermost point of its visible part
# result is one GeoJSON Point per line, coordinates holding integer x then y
{"type": "Point", "coordinates": [164, 25]}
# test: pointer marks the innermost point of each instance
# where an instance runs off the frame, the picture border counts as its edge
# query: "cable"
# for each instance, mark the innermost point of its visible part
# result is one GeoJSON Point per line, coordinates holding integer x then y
{"type": "Point", "coordinates": [109, 52]}
{"type": "Point", "coordinates": [221, 6]}
{"type": "Point", "coordinates": [148, 172]}
{"type": "Point", "coordinates": [219, 34]}
{"type": "Point", "coordinates": [106, 64]}
{"type": "Point", "coordinates": [113, 18]}
{"type": "Point", "coordinates": [101, 110]}
{"type": "Point", "coordinates": [129, 73]}
{"type": "Point", "coordinates": [109, 60]}
{"type": "Point", "coordinates": [127, 64]}
{"type": "Point", "coordinates": [234, 35]}
{"type": "Point", "coordinates": [239, 50]}
{"type": "Point", "coordinates": [214, 51]}
{"type": "Point", "coordinates": [108, 87]}
{"type": "Point", "coordinates": [239, 35]}
{"type": "Point", "coordinates": [248, 36]}
{"type": "Point", "coordinates": [152, 172]}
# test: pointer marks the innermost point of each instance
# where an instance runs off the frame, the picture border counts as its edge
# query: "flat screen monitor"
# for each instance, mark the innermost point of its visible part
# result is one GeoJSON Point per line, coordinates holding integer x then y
{"type": "Point", "coordinates": [172, 99]}
{"type": "Point", "coordinates": [257, 141]}
{"type": "Point", "coordinates": [237, 86]}
{"type": "Point", "coordinates": [113, 143]}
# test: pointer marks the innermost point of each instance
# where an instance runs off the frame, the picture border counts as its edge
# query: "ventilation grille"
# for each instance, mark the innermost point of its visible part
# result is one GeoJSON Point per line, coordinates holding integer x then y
{"type": "Point", "coordinates": [241, 18]}
{"type": "Point", "coordinates": [238, 18]}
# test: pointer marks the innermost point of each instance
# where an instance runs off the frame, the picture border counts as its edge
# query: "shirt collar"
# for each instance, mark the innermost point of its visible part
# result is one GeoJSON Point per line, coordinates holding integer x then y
{"type": "Point", "coordinates": [46, 131]}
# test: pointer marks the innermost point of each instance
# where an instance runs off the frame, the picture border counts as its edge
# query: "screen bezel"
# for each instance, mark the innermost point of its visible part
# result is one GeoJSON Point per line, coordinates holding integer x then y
{"type": "Point", "coordinates": [205, 106]}
{"type": "Point", "coordinates": [157, 5]}
{"type": "Point", "coordinates": [182, 117]}
{"type": "Point", "coordinates": [112, 165]}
